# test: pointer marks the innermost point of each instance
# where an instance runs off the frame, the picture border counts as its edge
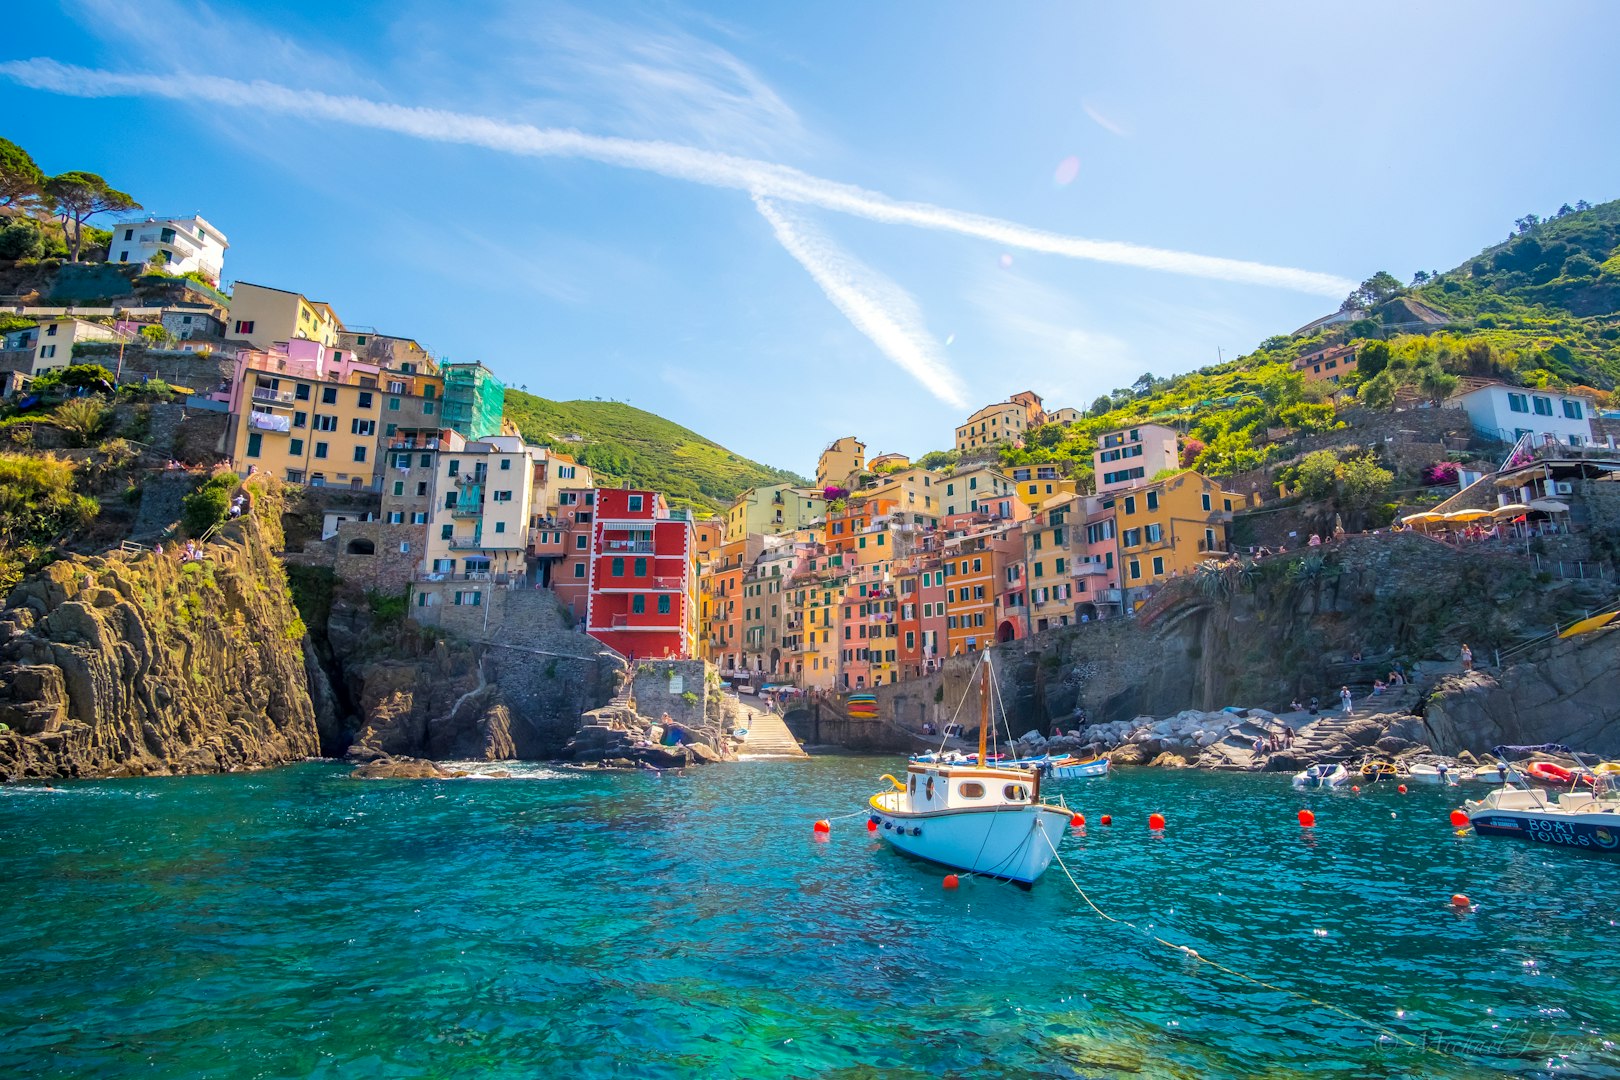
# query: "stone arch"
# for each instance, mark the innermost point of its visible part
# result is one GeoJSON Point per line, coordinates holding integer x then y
{"type": "Point", "coordinates": [1006, 631]}
{"type": "Point", "coordinates": [360, 546]}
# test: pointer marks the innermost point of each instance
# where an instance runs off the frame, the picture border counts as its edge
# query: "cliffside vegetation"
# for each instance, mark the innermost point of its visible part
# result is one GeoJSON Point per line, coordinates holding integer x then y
{"type": "Point", "coordinates": [622, 443]}
{"type": "Point", "coordinates": [1542, 309]}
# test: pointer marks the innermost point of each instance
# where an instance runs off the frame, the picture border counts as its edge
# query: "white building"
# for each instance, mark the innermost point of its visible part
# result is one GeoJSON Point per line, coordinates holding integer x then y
{"type": "Point", "coordinates": [183, 244]}
{"type": "Point", "coordinates": [1509, 413]}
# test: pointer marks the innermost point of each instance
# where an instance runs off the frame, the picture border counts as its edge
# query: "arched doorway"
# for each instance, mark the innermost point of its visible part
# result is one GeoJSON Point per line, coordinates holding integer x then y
{"type": "Point", "coordinates": [1006, 631]}
{"type": "Point", "coordinates": [360, 546]}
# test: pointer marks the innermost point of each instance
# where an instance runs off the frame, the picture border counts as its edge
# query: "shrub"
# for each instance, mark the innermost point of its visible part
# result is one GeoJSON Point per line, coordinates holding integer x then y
{"type": "Point", "coordinates": [1441, 472]}
{"type": "Point", "coordinates": [21, 239]}
{"type": "Point", "coordinates": [83, 420]}
{"type": "Point", "coordinates": [205, 507]}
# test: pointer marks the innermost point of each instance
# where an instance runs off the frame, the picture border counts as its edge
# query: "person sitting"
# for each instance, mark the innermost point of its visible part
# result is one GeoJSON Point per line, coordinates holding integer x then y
{"type": "Point", "coordinates": [1378, 686]}
{"type": "Point", "coordinates": [1315, 540]}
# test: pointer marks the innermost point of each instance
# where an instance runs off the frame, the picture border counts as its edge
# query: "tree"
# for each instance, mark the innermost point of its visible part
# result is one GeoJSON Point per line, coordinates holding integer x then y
{"type": "Point", "coordinates": [1580, 265]}
{"type": "Point", "coordinates": [1436, 384]}
{"type": "Point", "coordinates": [1372, 357]}
{"type": "Point", "coordinates": [21, 181]}
{"type": "Point", "coordinates": [21, 239]}
{"type": "Point", "coordinates": [1363, 483]}
{"type": "Point", "coordinates": [157, 336]}
{"type": "Point", "coordinates": [1143, 383]}
{"type": "Point", "coordinates": [1420, 277]}
{"type": "Point", "coordinates": [1190, 451]}
{"type": "Point", "coordinates": [1526, 223]}
{"type": "Point", "coordinates": [1582, 204]}
{"type": "Point", "coordinates": [1565, 209]}
{"type": "Point", "coordinates": [1375, 290]}
{"type": "Point", "coordinates": [1317, 473]}
{"type": "Point", "coordinates": [77, 197]}
{"type": "Point", "coordinates": [1378, 392]}
{"type": "Point", "coordinates": [1102, 405]}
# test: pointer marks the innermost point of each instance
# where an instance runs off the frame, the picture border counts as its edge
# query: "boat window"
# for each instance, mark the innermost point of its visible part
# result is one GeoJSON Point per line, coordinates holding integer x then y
{"type": "Point", "coordinates": [929, 791]}
{"type": "Point", "coordinates": [913, 785]}
{"type": "Point", "coordinates": [1015, 792]}
{"type": "Point", "coordinates": [970, 790]}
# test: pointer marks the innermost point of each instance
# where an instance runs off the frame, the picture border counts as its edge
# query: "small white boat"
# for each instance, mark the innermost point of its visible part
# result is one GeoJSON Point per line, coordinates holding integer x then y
{"type": "Point", "coordinates": [1499, 773]}
{"type": "Point", "coordinates": [1064, 766]}
{"type": "Point", "coordinates": [1424, 773]}
{"type": "Point", "coordinates": [1576, 819]}
{"type": "Point", "coordinates": [1322, 776]}
{"type": "Point", "coordinates": [982, 819]}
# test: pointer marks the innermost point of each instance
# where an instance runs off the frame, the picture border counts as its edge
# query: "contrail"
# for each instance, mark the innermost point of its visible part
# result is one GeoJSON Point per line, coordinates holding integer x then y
{"type": "Point", "coordinates": [715, 169]}
{"type": "Point", "coordinates": [876, 306]}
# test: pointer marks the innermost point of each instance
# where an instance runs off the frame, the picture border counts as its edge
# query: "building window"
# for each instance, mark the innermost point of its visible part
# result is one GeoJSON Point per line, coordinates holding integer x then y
{"type": "Point", "coordinates": [446, 531]}
{"type": "Point", "coordinates": [295, 447]}
{"type": "Point", "coordinates": [255, 442]}
{"type": "Point", "coordinates": [419, 518]}
{"type": "Point", "coordinates": [427, 407]}
{"type": "Point", "coordinates": [320, 450]}
{"type": "Point", "coordinates": [638, 604]}
{"type": "Point", "coordinates": [641, 568]}
{"type": "Point", "coordinates": [1572, 409]}
{"type": "Point", "coordinates": [360, 453]}
{"type": "Point", "coordinates": [503, 496]}
{"type": "Point", "coordinates": [635, 504]}
{"type": "Point", "coordinates": [500, 526]}
{"type": "Point", "coordinates": [663, 605]}
{"type": "Point", "coordinates": [506, 463]}
{"type": "Point", "coordinates": [242, 327]}
{"type": "Point", "coordinates": [1130, 504]}
{"type": "Point", "coordinates": [365, 400]}
{"type": "Point", "coordinates": [579, 569]}
{"type": "Point", "coordinates": [328, 395]}
{"type": "Point", "coordinates": [396, 517]}
{"type": "Point", "coordinates": [325, 423]}
{"type": "Point", "coordinates": [1136, 570]}
{"type": "Point", "coordinates": [1153, 500]}
{"type": "Point", "coordinates": [362, 427]}
{"type": "Point", "coordinates": [581, 542]}
{"type": "Point", "coordinates": [616, 568]}
{"type": "Point", "coordinates": [1155, 533]}
{"type": "Point", "coordinates": [1518, 403]}
{"type": "Point", "coordinates": [393, 404]}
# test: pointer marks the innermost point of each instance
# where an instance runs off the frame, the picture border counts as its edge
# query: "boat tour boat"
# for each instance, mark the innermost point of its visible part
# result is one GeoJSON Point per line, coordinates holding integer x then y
{"type": "Point", "coordinates": [977, 817]}
{"type": "Point", "coordinates": [1587, 819]}
{"type": "Point", "coordinates": [1322, 776]}
{"type": "Point", "coordinates": [1424, 773]}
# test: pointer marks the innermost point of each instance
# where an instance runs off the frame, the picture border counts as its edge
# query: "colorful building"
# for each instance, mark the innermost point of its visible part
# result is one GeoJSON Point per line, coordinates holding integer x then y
{"type": "Point", "coordinates": [981, 489]}
{"type": "Point", "coordinates": [774, 510]}
{"type": "Point", "coordinates": [1327, 365]}
{"type": "Point", "coordinates": [1170, 526]}
{"type": "Point", "coordinates": [307, 430]}
{"type": "Point", "coordinates": [1003, 422]}
{"type": "Point", "coordinates": [179, 245]}
{"type": "Point", "coordinates": [263, 316]}
{"type": "Point", "coordinates": [474, 400]}
{"type": "Point", "coordinates": [643, 598]}
{"type": "Point", "coordinates": [1054, 538]}
{"type": "Point", "coordinates": [1039, 484]}
{"type": "Point", "coordinates": [841, 463]}
{"type": "Point", "coordinates": [1133, 456]}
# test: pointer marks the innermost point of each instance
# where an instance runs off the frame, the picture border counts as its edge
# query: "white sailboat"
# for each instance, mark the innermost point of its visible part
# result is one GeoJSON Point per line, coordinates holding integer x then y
{"type": "Point", "coordinates": [978, 818]}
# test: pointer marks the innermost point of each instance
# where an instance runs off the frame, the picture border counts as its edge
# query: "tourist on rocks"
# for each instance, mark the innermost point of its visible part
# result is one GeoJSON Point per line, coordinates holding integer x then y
{"type": "Point", "coordinates": [1316, 706]}
{"type": "Point", "coordinates": [1467, 658]}
{"type": "Point", "coordinates": [1259, 747]}
{"type": "Point", "coordinates": [1344, 697]}
{"type": "Point", "coordinates": [1378, 686]}
{"type": "Point", "coordinates": [1288, 737]}
{"type": "Point", "coordinates": [1315, 540]}
{"type": "Point", "coordinates": [1295, 706]}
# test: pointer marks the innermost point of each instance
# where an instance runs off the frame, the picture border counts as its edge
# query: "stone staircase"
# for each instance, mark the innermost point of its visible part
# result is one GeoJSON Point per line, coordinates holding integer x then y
{"type": "Point", "coordinates": [768, 735]}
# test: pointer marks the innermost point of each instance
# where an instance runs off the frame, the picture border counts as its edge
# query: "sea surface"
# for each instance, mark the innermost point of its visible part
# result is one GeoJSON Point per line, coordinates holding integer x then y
{"type": "Point", "coordinates": [560, 923]}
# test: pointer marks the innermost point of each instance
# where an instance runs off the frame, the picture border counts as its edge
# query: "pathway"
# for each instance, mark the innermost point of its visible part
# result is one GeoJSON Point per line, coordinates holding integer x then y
{"type": "Point", "coordinates": [768, 736]}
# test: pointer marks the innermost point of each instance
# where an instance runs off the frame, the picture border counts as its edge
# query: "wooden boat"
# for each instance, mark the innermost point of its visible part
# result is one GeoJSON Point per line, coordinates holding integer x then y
{"type": "Point", "coordinates": [982, 819]}
{"type": "Point", "coordinates": [1379, 770]}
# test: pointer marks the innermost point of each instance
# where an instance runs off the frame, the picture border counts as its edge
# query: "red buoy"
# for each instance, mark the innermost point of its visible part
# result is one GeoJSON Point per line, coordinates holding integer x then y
{"type": "Point", "coordinates": [1078, 820]}
{"type": "Point", "coordinates": [1107, 820]}
{"type": "Point", "coordinates": [1460, 902]}
{"type": "Point", "coordinates": [950, 881]}
{"type": "Point", "coordinates": [1307, 819]}
{"type": "Point", "coordinates": [1356, 788]}
{"type": "Point", "coordinates": [1459, 819]}
{"type": "Point", "coordinates": [823, 826]}
{"type": "Point", "coordinates": [1401, 789]}
{"type": "Point", "coordinates": [871, 825]}
{"type": "Point", "coordinates": [1156, 822]}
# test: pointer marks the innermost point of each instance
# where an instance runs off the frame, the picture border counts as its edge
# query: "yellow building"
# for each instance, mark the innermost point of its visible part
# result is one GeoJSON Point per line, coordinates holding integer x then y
{"type": "Point", "coordinates": [980, 489]}
{"type": "Point", "coordinates": [1166, 528]}
{"type": "Point", "coordinates": [1003, 422]}
{"type": "Point", "coordinates": [479, 523]}
{"type": "Point", "coordinates": [774, 510]}
{"type": "Point", "coordinates": [915, 493]}
{"type": "Point", "coordinates": [262, 315]}
{"type": "Point", "coordinates": [842, 461]}
{"type": "Point", "coordinates": [1053, 538]}
{"type": "Point", "coordinates": [1036, 485]}
{"type": "Point", "coordinates": [307, 430]}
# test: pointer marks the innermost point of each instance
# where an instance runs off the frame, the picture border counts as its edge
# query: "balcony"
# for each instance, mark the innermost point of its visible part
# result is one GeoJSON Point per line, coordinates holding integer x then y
{"type": "Point", "coordinates": [633, 547]}
{"type": "Point", "coordinates": [273, 397]}
{"type": "Point", "coordinates": [474, 543]}
{"type": "Point", "coordinates": [412, 444]}
{"type": "Point", "coordinates": [471, 510]}
{"type": "Point", "coordinates": [1086, 569]}
{"type": "Point", "coordinates": [466, 480]}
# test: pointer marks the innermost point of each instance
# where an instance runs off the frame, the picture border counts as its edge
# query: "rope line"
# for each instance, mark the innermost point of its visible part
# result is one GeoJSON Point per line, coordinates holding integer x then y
{"type": "Point", "coordinates": [1190, 952]}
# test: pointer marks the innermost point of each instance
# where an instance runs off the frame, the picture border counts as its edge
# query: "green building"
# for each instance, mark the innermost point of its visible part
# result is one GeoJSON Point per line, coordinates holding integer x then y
{"type": "Point", "coordinates": [474, 400]}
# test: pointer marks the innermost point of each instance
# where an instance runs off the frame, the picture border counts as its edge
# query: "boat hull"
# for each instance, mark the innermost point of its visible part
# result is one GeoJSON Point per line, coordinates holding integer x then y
{"type": "Point", "coordinates": [1599, 831]}
{"type": "Point", "coordinates": [1013, 843]}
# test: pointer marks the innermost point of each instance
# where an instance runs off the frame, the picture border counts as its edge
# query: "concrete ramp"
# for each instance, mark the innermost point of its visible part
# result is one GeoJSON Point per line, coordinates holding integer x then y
{"type": "Point", "coordinates": [768, 736]}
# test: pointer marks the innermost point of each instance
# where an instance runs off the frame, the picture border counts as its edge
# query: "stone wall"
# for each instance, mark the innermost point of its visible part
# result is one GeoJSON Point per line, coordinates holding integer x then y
{"type": "Point", "coordinates": [386, 569]}
{"type": "Point", "coordinates": [653, 688]}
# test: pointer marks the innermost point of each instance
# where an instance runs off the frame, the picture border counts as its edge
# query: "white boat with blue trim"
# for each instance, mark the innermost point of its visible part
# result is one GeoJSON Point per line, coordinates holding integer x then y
{"type": "Point", "coordinates": [980, 819]}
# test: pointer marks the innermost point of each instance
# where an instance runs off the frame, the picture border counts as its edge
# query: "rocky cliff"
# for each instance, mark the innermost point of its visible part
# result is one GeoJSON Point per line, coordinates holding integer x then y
{"type": "Point", "coordinates": [138, 664]}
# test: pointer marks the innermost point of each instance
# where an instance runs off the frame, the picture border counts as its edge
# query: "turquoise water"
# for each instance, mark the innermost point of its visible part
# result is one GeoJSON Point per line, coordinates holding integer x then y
{"type": "Point", "coordinates": [297, 922]}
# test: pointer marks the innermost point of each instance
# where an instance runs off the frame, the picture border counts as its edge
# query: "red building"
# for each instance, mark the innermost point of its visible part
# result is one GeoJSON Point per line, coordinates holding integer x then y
{"type": "Point", "coordinates": [643, 578]}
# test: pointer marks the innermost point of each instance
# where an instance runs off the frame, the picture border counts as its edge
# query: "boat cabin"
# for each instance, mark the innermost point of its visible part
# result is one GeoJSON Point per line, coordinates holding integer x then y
{"type": "Point", "coordinates": [954, 787]}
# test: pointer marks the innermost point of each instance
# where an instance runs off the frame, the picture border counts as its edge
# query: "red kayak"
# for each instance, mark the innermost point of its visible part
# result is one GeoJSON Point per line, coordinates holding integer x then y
{"type": "Point", "coordinates": [1546, 770]}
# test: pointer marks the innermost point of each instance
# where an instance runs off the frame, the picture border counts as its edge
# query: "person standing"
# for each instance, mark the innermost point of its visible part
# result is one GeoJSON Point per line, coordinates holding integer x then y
{"type": "Point", "coordinates": [1344, 698]}
{"type": "Point", "coordinates": [1467, 658]}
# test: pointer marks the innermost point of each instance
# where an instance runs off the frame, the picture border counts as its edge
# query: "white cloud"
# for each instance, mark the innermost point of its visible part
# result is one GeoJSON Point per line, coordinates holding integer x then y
{"type": "Point", "coordinates": [876, 306]}
{"type": "Point", "coordinates": [668, 159]}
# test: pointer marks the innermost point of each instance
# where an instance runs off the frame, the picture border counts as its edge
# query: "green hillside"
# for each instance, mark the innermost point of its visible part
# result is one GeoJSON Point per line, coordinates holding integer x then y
{"type": "Point", "coordinates": [1539, 309]}
{"type": "Point", "coordinates": [622, 443]}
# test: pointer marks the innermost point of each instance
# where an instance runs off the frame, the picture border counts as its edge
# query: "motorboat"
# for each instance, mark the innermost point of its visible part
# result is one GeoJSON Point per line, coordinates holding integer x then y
{"type": "Point", "coordinates": [1425, 773]}
{"type": "Point", "coordinates": [1065, 766]}
{"type": "Point", "coordinates": [1587, 819]}
{"type": "Point", "coordinates": [974, 817]}
{"type": "Point", "coordinates": [1495, 773]}
{"type": "Point", "coordinates": [1331, 775]}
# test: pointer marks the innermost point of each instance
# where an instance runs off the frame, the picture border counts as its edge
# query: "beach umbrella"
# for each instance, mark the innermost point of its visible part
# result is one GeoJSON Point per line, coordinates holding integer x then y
{"type": "Point", "coordinates": [1511, 510]}
{"type": "Point", "coordinates": [1422, 518]}
{"type": "Point", "coordinates": [1549, 506]}
{"type": "Point", "coordinates": [1467, 515]}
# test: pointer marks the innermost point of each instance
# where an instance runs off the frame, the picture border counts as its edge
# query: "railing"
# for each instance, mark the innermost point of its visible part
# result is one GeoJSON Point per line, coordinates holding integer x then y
{"type": "Point", "coordinates": [467, 511]}
{"type": "Point", "coordinates": [264, 393]}
{"type": "Point", "coordinates": [1087, 569]}
{"type": "Point", "coordinates": [471, 575]}
{"type": "Point", "coordinates": [408, 444]}
{"type": "Point", "coordinates": [633, 547]}
{"type": "Point", "coordinates": [466, 479]}
{"type": "Point", "coordinates": [486, 544]}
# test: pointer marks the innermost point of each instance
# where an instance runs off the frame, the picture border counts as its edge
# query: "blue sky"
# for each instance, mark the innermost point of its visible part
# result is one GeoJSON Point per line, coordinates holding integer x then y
{"type": "Point", "coordinates": [779, 224]}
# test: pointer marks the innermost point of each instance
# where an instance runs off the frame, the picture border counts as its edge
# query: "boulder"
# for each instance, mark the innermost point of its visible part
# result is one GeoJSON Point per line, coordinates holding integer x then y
{"type": "Point", "coordinates": [1129, 754]}
{"type": "Point", "coordinates": [404, 768]}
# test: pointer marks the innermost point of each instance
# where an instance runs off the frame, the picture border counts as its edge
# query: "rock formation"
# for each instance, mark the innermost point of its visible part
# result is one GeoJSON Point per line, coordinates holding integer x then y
{"type": "Point", "coordinates": [617, 735]}
{"type": "Point", "coordinates": [140, 664]}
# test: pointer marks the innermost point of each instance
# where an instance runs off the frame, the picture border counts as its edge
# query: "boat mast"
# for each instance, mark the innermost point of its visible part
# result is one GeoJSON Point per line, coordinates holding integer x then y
{"type": "Point", "coordinates": [984, 708]}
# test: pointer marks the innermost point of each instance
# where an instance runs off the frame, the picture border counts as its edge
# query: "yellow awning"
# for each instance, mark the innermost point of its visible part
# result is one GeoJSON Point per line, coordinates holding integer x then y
{"type": "Point", "coordinates": [1467, 515]}
{"type": "Point", "coordinates": [1421, 518]}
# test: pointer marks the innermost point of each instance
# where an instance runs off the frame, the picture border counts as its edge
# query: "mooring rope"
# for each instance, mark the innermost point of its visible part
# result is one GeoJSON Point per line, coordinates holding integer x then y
{"type": "Point", "coordinates": [1190, 952]}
